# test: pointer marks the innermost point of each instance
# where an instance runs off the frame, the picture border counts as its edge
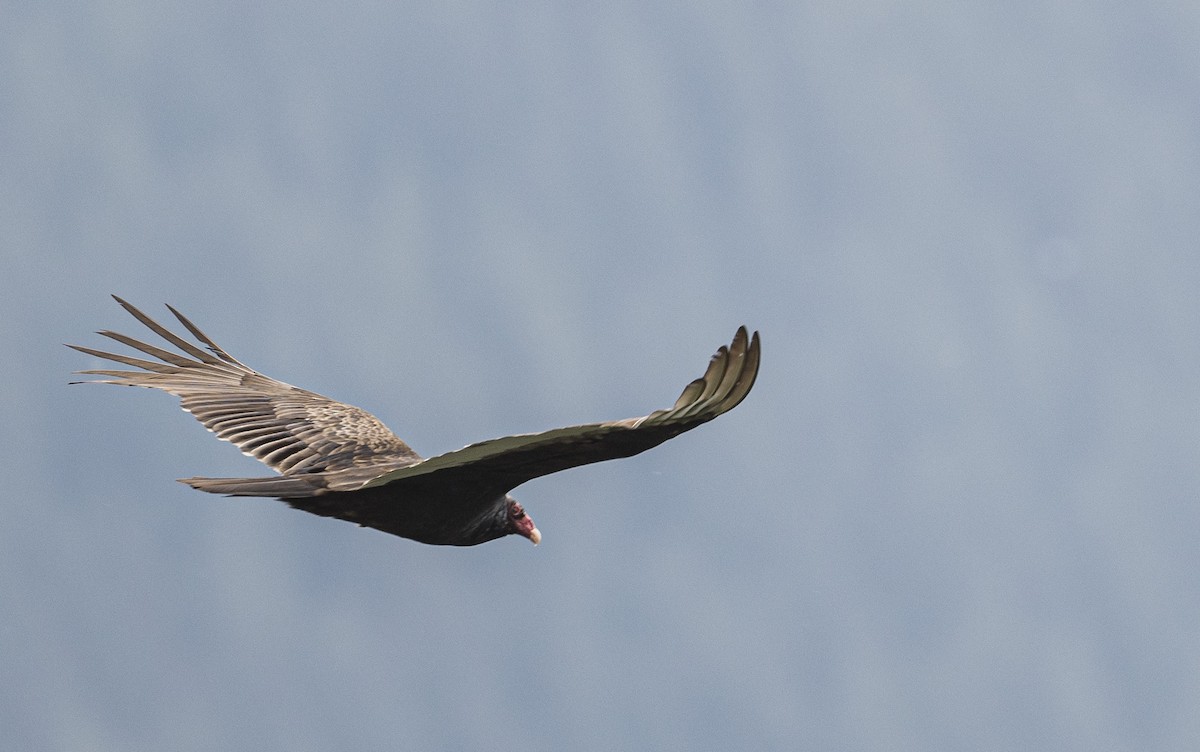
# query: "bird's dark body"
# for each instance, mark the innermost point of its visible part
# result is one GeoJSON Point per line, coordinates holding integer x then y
{"type": "Point", "coordinates": [438, 516]}
{"type": "Point", "coordinates": [337, 460]}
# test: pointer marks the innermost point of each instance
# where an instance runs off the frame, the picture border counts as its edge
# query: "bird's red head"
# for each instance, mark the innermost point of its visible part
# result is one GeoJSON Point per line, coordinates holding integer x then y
{"type": "Point", "coordinates": [521, 523]}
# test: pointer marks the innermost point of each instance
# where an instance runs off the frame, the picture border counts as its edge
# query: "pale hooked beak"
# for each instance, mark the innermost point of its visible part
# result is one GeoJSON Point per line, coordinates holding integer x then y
{"type": "Point", "coordinates": [535, 536]}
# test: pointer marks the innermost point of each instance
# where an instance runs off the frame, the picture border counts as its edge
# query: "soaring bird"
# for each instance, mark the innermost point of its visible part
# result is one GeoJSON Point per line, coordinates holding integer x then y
{"type": "Point", "coordinates": [337, 460]}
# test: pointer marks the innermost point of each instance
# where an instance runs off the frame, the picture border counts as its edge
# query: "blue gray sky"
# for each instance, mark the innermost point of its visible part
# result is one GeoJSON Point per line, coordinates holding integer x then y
{"type": "Point", "coordinates": [957, 512]}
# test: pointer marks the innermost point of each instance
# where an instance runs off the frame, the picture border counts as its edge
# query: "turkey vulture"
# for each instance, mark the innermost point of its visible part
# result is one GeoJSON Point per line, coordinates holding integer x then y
{"type": "Point", "coordinates": [336, 460]}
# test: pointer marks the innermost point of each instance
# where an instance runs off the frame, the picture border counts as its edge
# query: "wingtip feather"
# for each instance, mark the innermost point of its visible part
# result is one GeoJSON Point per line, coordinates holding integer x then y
{"type": "Point", "coordinates": [726, 387]}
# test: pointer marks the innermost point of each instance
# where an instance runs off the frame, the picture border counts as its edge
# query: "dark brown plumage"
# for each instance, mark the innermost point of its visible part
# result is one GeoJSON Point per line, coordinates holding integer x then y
{"type": "Point", "coordinates": [339, 461]}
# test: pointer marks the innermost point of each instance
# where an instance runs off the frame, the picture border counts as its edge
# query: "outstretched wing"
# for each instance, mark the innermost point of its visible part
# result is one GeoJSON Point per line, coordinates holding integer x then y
{"type": "Point", "coordinates": [291, 430]}
{"type": "Point", "coordinates": [503, 464]}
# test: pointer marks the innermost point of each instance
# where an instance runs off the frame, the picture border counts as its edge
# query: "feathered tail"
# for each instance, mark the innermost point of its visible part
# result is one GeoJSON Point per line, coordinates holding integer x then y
{"type": "Point", "coordinates": [280, 486]}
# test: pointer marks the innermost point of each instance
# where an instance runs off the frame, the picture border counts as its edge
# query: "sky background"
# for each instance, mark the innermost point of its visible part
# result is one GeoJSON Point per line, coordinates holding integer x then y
{"type": "Point", "coordinates": [958, 511]}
